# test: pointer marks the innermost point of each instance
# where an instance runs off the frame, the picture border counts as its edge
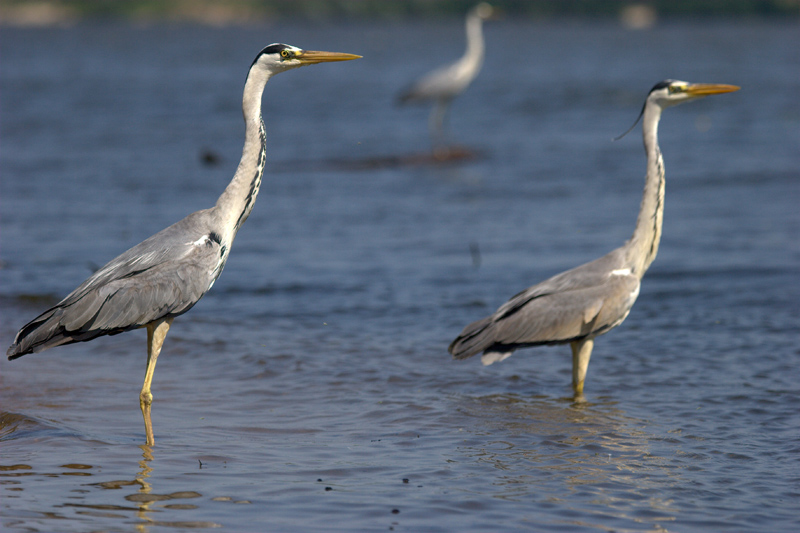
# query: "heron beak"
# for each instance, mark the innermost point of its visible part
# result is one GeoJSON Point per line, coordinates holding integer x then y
{"type": "Point", "coordinates": [312, 57]}
{"type": "Point", "coordinates": [705, 89]}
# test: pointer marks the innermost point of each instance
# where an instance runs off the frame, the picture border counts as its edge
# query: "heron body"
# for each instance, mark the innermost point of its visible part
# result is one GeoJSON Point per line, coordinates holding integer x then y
{"type": "Point", "coordinates": [576, 306]}
{"type": "Point", "coordinates": [167, 274]}
{"type": "Point", "coordinates": [445, 83]}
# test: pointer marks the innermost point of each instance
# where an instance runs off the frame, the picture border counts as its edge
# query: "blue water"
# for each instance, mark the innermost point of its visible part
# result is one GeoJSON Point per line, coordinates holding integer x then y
{"type": "Point", "coordinates": [311, 388]}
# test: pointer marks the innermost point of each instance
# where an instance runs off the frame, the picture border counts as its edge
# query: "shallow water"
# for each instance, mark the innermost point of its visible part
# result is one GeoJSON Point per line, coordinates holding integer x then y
{"type": "Point", "coordinates": [311, 389]}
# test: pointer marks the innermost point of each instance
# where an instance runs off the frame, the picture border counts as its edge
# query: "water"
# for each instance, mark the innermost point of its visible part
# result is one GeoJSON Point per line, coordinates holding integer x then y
{"type": "Point", "coordinates": [311, 389]}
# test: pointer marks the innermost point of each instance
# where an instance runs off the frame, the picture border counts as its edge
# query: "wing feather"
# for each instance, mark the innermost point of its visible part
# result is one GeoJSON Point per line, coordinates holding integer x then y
{"type": "Point", "coordinates": [579, 303]}
{"type": "Point", "coordinates": [163, 276]}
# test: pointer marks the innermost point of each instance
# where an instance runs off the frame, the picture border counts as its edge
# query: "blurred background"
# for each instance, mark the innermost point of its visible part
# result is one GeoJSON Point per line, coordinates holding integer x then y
{"type": "Point", "coordinates": [637, 14]}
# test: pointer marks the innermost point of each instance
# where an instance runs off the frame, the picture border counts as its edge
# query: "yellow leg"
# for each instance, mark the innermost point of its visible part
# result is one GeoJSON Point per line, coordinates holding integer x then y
{"type": "Point", "coordinates": [581, 352]}
{"type": "Point", "coordinates": [156, 331]}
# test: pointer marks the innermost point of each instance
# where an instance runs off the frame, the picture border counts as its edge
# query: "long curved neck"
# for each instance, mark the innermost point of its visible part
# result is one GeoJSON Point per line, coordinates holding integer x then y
{"type": "Point", "coordinates": [643, 246]}
{"type": "Point", "coordinates": [236, 202]}
{"type": "Point", "coordinates": [475, 46]}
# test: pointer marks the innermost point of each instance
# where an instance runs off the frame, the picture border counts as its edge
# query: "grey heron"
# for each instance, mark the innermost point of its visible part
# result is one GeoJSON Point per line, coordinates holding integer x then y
{"type": "Point", "coordinates": [576, 306]}
{"type": "Point", "coordinates": [445, 83]}
{"type": "Point", "coordinates": [165, 275]}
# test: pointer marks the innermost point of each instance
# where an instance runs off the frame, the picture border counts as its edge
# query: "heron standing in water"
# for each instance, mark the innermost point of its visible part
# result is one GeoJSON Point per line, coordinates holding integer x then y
{"type": "Point", "coordinates": [576, 306]}
{"type": "Point", "coordinates": [445, 83]}
{"type": "Point", "coordinates": [165, 275]}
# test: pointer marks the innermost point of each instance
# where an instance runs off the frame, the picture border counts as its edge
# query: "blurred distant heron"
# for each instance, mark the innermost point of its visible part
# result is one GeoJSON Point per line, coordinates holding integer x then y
{"type": "Point", "coordinates": [445, 83]}
{"type": "Point", "coordinates": [576, 306]}
{"type": "Point", "coordinates": [165, 275]}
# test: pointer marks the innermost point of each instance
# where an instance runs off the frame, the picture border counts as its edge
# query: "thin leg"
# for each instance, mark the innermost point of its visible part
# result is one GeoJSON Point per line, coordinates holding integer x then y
{"type": "Point", "coordinates": [156, 331]}
{"type": "Point", "coordinates": [436, 125]}
{"type": "Point", "coordinates": [581, 352]}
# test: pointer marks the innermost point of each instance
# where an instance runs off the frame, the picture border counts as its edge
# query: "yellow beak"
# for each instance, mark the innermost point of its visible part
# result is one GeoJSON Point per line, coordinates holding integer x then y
{"type": "Point", "coordinates": [704, 89]}
{"type": "Point", "coordinates": [312, 57]}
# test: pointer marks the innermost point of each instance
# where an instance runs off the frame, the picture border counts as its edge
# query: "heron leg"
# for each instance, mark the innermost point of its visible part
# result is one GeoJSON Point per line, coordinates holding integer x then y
{"type": "Point", "coordinates": [436, 123]}
{"type": "Point", "coordinates": [581, 352]}
{"type": "Point", "coordinates": [156, 332]}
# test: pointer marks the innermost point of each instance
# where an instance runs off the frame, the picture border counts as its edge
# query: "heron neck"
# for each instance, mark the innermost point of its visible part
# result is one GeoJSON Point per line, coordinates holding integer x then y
{"type": "Point", "coordinates": [643, 246]}
{"type": "Point", "coordinates": [239, 197]}
{"type": "Point", "coordinates": [475, 45]}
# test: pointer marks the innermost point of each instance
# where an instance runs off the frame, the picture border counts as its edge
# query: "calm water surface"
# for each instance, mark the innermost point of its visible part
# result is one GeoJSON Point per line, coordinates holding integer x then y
{"type": "Point", "coordinates": [311, 389]}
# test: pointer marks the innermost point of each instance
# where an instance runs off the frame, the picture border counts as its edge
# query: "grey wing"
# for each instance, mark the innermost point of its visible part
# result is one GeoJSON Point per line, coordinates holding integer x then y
{"type": "Point", "coordinates": [442, 83]}
{"type": "Point", "coordinates": [573, 305]}
{"type": "Point", "coordinates": [144, 284]}
{"type": "Point", "coordinates": [567, 316]}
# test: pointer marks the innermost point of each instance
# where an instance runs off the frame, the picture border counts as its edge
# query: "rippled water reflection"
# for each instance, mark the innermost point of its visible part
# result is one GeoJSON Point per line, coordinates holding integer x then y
{"type": "Point", "coordinates": [311, 388]}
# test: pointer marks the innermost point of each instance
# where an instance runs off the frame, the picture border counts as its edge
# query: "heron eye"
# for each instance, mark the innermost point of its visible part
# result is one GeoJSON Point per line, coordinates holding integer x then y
{"type": "Point", "coordinates": [285, 54]}
{"type": "Point", "coordinates": [675, 89]}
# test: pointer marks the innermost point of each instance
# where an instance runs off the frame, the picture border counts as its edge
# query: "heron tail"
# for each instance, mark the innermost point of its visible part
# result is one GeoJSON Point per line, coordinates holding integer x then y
{"type": "Point", "coordinates": [475, 338]}
{"type": "Point", "coordinates": [47, 331]}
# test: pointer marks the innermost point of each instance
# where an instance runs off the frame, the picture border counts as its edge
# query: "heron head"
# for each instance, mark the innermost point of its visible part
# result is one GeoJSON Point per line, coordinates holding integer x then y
{"type": "Point", "coordinates": [279, 57]}
{"type": "Point", "coordinates": [484, 11]}
{"type": "Point", "coordinates": [672, 92]}
{"type": "Point", "coordinates": [668, 93]}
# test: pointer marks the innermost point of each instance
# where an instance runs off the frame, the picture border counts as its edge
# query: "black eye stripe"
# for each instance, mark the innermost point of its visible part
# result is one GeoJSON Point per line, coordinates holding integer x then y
{"type": "Point", "coordinates": [661, 85]}
{"type": "Point", "coordinates": [275, 48]}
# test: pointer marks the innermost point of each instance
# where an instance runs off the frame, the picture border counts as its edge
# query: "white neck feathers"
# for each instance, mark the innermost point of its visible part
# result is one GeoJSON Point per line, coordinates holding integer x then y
{"type": "Point", "coordinates": [643, 246]}
{"type": "Point", "coordinates": [236, 202]}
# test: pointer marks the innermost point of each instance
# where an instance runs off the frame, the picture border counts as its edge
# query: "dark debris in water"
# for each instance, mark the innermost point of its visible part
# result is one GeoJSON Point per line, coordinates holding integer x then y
{"type": "Point", "coordinates": [452, 155]}
{"type": "Point", "coordinates": [37, 300]}
{"type": "Point", "coordinates": [209, 157]}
